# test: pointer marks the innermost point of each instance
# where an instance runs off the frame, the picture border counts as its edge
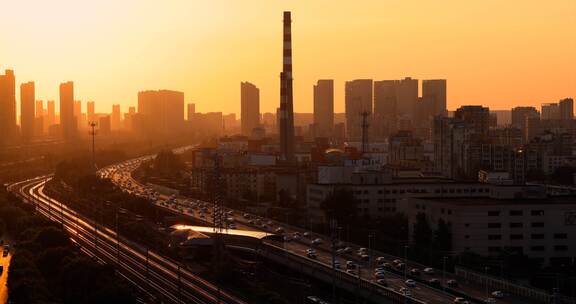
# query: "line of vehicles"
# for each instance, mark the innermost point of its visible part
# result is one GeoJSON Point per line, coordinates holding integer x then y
{"type": "Point", "coordinates": [203, 210]}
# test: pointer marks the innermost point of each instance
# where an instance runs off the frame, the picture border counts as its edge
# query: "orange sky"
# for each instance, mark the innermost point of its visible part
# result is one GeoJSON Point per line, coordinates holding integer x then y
{"type": "Point", "coordinates": [497, 53]}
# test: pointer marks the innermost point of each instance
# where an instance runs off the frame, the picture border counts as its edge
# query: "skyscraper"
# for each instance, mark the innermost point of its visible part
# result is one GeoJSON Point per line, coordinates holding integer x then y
{"type": "Point", "coordinates": [190, 111]}
{"type": "Point", "coordinates": [7, 107]}
{"type": "Point", "coordinates": [249, 107]}
{"type": "Point", "coordinates": [115, 118]}
{"type": "Point", "coordinates": [435, 90]}
{"type": "Point", "coordinates": [160, 112]}
{"type": "Point", "coordinates": [90, 114]}
{"type": "Point", "coordinates": [286, 103]}
{"type": "Point", "coordinates": [407, 98]}
{"type": "Point", "coordinates": [324, 107]}
{"type": "Point", "coordinates": [78, 113]}
{"type": "Point", "coordinates": [67, 119]}
{"type": "Point", "coordinates": [27, 99]}
{"type": "Point", "coordinates": [520, 118]}
{"type": "Point", "coordinates": [39, 118]}
{"type": "Point", "coordinates": [385, 99]}
{"type": "Point", "coordinates": [476, 118]}
{"type": "Point", "coordinates": [50, 113]}
{"type": "Point", "coordinates": [358, 99]}
{"type": "Point", "coordinates": [550, 111]}
{"type": "Point", "coordinates": [566, 109]}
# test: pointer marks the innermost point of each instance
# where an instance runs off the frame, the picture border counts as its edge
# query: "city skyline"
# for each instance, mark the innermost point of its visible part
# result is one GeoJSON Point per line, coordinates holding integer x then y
{"type": "Point", "coordinates": [474, 77]}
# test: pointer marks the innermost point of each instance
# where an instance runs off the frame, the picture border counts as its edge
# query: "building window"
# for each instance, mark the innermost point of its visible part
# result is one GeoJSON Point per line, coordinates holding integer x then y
{"type": "Point", "coordinates": [516, 236]}
{"type": "Point", "coordinates": [516, 225]}
{"type": "Point", "coordinates": [494, 225]}
{"type": "Point", "coordinates": [466, 224]}
{"type": "Point", "coordinates": [560, 248]}
{"type": "Point", "coordinates": [537, 248]}
{"type": "Point", "coordinates": [449, 211]}
{"type": "Point", "coordinates": [494, 237]}
{"type": "Point", "coordinates": [493, 213]}
{"type": "Point", "coordinates": [537, 225]}
{"type": "Point", "coordinates": [516, 212]}
{"type": "Point", "coordinates": [537, 236]}
{"type": "Point", "coordinates": [466, 236]}
{"type": "Point", "coordinates": [537, 212]}
{"type": "Point", "coordinates": [560, 236]}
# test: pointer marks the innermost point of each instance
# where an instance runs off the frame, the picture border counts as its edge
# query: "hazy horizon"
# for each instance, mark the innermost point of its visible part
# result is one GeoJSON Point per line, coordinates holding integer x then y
{"type": "Point", "coordinates": [492, 53]}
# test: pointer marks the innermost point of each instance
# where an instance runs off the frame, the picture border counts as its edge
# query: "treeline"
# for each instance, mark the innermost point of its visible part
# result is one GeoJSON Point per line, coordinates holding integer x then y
{"type": "Point", "coordinates": [47, 268]}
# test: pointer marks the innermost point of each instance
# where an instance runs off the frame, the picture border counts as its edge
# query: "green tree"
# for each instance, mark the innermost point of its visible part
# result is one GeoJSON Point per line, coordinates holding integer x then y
{"type": "Point", "coordinates": [422, 234]}
{"type": "Point", "coordinates": [341, 205]}
{"type": "Point", "coordinates": [443, 236]}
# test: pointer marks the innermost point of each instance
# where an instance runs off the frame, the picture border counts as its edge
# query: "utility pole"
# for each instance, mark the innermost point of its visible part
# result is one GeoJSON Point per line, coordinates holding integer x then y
{"type": "Point", "coordinates": [92, 125]}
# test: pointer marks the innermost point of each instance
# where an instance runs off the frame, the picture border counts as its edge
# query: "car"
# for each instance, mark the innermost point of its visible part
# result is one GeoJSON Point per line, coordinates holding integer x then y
{"type": "Point", "coordinates": [317, 241]}
{"type": "Point", "coordinates": [350, 265]}
{"type": "Point", "coordinates": [498, 294]}
{"type": "Point", "coordinates": [387, 265]}
{"type": "Point", "coordinates": [287, 238]}
{"type": "Point", "coordinates": [306, 234]}
{"type": "Point", "coordinates": [339, 251]}
{"type": "Point", "coordinates": [460, 301]}
{"type": "Point", "coordinates": [405, 291]}
{"type": "Point", "coordinates": [347, 250]}
{"type": "Point", "coordinates": [400, 266]}
{"type": "Point", "coordinates": [380, 260]}
{"type": "Point", "coordinates": [336, 265]}
{"type": "Point", "coordinates": [429, 270]}
{"type": "Point", "coordinates": [490, 301]}
{"type": "Point", "coordinates": [434, 282]}
{"type": "Point", "coordinates": [310, 250]}
{"type": "Point", "coordinates": [365, 257]}
{"type": "Point", "coordinates": [415, 271]}
{"type": "Point", "coordinates": [351, 271]}
{"type": "Point", "coordinates": [232, 226]}
{"type": "Point", "coordinates": [452, 283]}
{"type": "Point", "coordinates": [279, 230]}
{"type": "Point", "coordinates": [379, 275]}
{"type": "Point", "coordinates": [410, 283]}
{"type": "Point", "coordinates": [312, 255]}
{"type": "Point", "coordinates": [380, 269]}
{"type": "Point", "coordinates": [382, 282]}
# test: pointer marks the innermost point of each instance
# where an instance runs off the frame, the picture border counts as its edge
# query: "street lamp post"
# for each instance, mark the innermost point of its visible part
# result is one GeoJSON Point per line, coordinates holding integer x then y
{"type": "Point", "coordinates": [444, 273]}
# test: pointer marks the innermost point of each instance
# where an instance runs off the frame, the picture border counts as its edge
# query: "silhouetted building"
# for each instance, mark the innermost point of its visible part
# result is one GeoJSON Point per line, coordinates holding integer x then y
{"type": "Point", "coordinates": [116, 117]}
{"type": "Point", "coordinates": [50, 113]}
{"type": "Point", "coordinates": [566, 109]}
{"type": "Point", "coordinates": [324, 108]}
{"type": "Point", "coordinates": [550, 111]}
{"type": "Point", "coordinates": [407, 92]}
{"type": "Point", "coordinates": [435, 90]}
{"type": "Point", "coordinates": [8, 128]}
{"type": "Point", "coordinates": [249, 107]}
{"type": "Point", "coordinates": [521, 116]}
{"type": "Point", "coordinates": [160, 112]}
{"type": "Point", "coordinates": [68, 122]}
{"type": "Point", "coordinates": [27, 99]}
{"type": "Point", "coordinates": [129, 119]}
{"type": "Point", "coordinates": [190, 111]}
{"type": "Point", "coordinates": [358, 99]}
{"type": "Point", "coordinates": [477, 118]}
{"type": "Point", "coordinates": [104, 125]}
{"type": "Point", "coordinates": [286, 115]}
{"type": "Point", "coordinates": [39, 118]}
{"type": "Point", "coordinates": [78, 114]}
{"type": "Point", "coordinates": [385, 99]}
{"type": "Point", "coordinates": [90, 112]}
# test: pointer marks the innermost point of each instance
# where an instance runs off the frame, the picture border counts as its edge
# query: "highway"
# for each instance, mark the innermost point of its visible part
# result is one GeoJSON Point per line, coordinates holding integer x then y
{"type": "Point", "coordinates": [120, 174]}
{"type": "Point", "coordinates": [173, 282]}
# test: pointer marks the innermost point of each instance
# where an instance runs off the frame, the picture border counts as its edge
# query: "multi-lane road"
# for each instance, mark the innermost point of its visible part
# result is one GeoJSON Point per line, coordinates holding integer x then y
{"type": "Point", "coordinates": [395, 279]}
{"type": "Point", "coordinates": [165, 279]}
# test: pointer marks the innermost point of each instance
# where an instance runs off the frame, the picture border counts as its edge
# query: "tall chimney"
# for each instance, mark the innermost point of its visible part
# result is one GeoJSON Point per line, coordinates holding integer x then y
{"type": "Point", "coordinates": [286, 102]}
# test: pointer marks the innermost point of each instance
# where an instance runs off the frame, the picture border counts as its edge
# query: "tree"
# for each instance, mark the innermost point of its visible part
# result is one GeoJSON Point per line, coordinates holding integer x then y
{"type": "Point", "coordinates": [422, 234]}
{"type": "Point", "coordinates": [443, 236]}
{"type": "Point", "coordinates": [341, 205]}
{"type": "Point", "coordinates": [50, 237]}
{"type": "Point", "coordinates": [564, 175]}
